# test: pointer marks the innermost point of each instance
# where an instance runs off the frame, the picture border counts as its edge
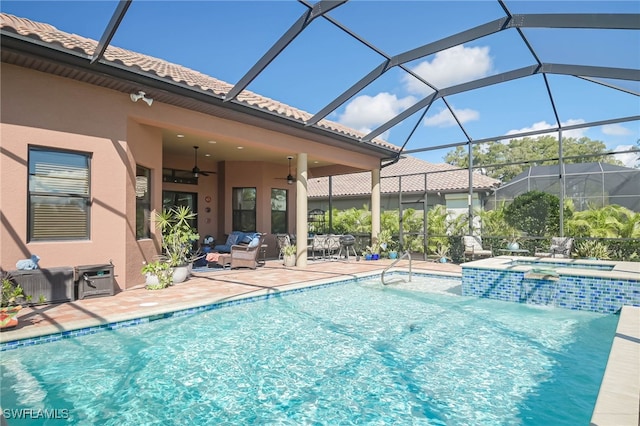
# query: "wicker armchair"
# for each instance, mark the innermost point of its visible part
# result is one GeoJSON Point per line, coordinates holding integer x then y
{"type": "Point", "coordinates": [246, 256]}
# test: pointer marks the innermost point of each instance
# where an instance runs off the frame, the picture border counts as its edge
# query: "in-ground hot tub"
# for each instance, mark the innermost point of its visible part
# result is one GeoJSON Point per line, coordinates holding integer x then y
{"type": "Point", "coordinates": [591, 285]}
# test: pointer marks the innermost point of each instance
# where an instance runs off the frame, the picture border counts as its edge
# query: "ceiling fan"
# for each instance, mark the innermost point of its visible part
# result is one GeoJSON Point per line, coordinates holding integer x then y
{"type": "Point", "coordinates": [196, 171]}
{"type": "Point", "coordinates": [290, 178]}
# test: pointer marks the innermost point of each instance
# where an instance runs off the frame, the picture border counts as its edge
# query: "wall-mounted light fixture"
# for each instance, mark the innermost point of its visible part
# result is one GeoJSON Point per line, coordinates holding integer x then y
{"type": "Point", "coordinates": [135, 97]}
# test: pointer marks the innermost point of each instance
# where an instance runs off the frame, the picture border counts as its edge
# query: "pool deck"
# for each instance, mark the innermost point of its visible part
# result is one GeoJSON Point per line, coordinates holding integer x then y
{"type": "Point", "coordinates": [618, 400]}
{"type": "Point", "coordinates": [202, 289]}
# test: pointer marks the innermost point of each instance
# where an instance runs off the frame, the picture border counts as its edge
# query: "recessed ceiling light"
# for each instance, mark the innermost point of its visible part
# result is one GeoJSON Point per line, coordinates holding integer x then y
{"type": "Point", "coordinates": [213, 142]}
{"type": "Point", "coordinates": [316, 162]}
{"type": "Point", "coordinates": [207, 155]}
{"type": "Point", "coordinates": [180, 136]}
{"type": "Point", "coordinates": [241, 147]}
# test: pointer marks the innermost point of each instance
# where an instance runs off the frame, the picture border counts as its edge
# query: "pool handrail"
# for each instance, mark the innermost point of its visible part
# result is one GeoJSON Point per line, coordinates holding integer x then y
{"type": "Point", "coordinates": [405, 254]}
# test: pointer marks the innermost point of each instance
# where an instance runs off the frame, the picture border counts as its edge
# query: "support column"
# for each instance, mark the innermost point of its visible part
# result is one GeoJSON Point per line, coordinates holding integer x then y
{"type": "Point", "coordinates": [375, 204]}
{"type": "Point", "coordinates": [302, 227]}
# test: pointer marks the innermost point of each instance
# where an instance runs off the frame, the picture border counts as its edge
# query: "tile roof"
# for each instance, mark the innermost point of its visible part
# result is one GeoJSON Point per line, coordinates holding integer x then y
{"type": "Point", "coordinates": [166, 70]}
{"type": "Point", "coordinates": [441, 177]}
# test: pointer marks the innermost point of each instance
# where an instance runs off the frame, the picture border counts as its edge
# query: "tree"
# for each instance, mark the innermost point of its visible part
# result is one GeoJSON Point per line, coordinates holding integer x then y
{"type": "Point", "coordinates": [542, 150]}
{"type": "Point", "coordinates": [535, 213]}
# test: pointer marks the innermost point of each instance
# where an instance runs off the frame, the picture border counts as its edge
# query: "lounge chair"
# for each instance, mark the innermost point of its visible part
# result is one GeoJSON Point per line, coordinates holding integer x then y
{"type": "Point", "coordinates": [473, 248]}
{"type": "Point", "coordinates": [246, 256]}
{"type": "Point", "coordinates": [560, 247]}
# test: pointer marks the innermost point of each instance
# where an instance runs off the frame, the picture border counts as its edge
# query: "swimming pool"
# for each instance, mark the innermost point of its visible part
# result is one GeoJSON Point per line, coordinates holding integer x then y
{"type": "Point", "coordinates": [353, 353]}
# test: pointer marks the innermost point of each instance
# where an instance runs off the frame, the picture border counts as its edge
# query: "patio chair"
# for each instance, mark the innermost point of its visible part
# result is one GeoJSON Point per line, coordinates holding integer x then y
{"type": "Point", "coordinates": [246, 256]}
{"type": "Point", "coordinates": [319, 244]}
{"type": "Point", "coordinates": [473, 248]}
{"type": "Point", "coordinates": [332, 245]}
{"type": "Point", "coordinates": [282, 241]}
{"type": "Point", "coordinates": [560, 247]}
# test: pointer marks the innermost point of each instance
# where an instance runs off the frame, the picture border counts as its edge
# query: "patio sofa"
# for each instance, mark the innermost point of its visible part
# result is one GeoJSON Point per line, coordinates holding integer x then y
{"type": "Point", "coordinates": [235, 238]}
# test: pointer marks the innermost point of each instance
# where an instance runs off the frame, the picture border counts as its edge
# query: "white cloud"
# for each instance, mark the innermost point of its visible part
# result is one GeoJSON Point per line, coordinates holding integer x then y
{"type": "Point", "coordinates": [541, 125]}
{"type": "Point", "coordinates": [629, 159]}
{"type": "Point", "coordinates": [445, 119]}
{"type": "Point", "coordinates": [452, 66]}
{"type": "Point", "coordinates": [615, 130]}
{"type": "Point", "coordinates": [455, 65]}
{"type": "Point", "coordinates": [366, 112]}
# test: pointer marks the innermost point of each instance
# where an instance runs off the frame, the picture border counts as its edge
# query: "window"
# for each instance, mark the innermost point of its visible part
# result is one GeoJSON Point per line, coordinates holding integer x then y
{"type": "Point", "coordinates": [143, 202]}
{"type": "Point", "coordinates": [279, 204]}
{"type": "Point", "coordinates": [173, 199]}
{"type": "Point", "coordinates": [59, 196]}
{"type": "Point", "coordinates": [244, 209]}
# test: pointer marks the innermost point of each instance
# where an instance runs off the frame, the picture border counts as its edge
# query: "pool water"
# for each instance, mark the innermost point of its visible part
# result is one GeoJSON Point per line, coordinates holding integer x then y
{"type": "Point", "coordinates": [355, 353]}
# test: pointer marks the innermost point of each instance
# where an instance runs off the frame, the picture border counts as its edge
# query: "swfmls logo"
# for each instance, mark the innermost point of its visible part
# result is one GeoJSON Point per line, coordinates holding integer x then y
{"type": "Point", "coordinates": [30, 413]}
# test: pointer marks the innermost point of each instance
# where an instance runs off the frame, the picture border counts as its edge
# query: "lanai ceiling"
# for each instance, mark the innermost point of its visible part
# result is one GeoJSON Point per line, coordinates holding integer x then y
{"type": "Point", "coordinates": [422, 75]}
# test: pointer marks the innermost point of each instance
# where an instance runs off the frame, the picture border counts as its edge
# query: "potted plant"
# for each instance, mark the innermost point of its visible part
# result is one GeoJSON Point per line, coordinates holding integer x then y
{"type": "Point", "coordinates": [442, 253]}
{"type": "Point", "coordinates": [373, 252]}
{"type": "Point", "coordinates": [10, 302]}
{"type": "Point", "coordinates": [158, 274]}
{"type": "Point", "coordinates": [387, 244]}
{"type": "Point", "coordinates": [513, 239]}
{"type": "Point", "coordinates": [289, 255]}
{"type": "Point", "coordinates": [178, 237]}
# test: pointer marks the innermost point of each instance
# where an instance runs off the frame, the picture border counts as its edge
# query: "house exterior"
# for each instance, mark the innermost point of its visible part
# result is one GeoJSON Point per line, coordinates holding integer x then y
{"type": "Point", "coordinates": [89, 150]}
{"type": "Point", "coordinates": [404, 182]}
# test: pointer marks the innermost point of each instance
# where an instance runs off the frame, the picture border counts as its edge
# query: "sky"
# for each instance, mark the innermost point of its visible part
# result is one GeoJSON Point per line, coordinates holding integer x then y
{"type": "Point", "coordinates": [224, 40]}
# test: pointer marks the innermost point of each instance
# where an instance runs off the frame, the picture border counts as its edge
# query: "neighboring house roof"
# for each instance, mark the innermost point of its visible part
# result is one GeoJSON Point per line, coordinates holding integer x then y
{"type": "Point", "coordinates": [440, 178]}
{"type": "Point", "coordinates": [156, 67]}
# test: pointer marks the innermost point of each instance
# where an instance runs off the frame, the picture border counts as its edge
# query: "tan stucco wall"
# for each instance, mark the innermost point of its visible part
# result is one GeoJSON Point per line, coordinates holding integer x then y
{"type": "Point", "coordinates": [40, 109]}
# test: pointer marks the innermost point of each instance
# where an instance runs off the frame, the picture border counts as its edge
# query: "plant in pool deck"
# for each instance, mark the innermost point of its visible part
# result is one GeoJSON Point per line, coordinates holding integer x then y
{"type": "Point", "coordinates": [442, 253]}
{"type": "Point", "coordinates": [513, 240]}
{"type": "Point", "coordinates": [290, 250]}
{"type": "Point", "coordinates": [11, 301]}
{"type": "Point", "coordinates": [289, 255]}
{"type": "Point", "coordinates": [162, 272]}
{"type": "Point", "coordinates": [178, 235]}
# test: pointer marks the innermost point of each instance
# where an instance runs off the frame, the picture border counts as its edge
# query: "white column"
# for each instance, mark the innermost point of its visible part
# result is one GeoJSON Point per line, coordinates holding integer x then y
{"type": "Point", "coordinates": [375, 204]}
{"type": "Point", "coordinates": [302, 228]}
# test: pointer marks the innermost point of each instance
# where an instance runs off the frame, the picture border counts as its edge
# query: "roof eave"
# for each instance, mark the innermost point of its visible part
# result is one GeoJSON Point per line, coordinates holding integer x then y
{"type": "Point", "coordinates": [130, 79]}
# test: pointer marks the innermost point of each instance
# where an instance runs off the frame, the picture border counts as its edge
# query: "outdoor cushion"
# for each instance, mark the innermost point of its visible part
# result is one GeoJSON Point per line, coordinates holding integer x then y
{"type": "Point", "coordinates": [254, 242]}
{"type": "Point", "coordinates": [236, 237]}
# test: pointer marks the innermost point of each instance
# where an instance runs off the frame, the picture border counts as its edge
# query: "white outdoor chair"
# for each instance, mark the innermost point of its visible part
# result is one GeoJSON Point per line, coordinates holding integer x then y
{"type": "Point", "coordinates": [473, 248]}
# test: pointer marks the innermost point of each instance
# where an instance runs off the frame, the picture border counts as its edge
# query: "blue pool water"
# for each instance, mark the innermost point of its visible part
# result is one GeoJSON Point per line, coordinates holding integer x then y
{"type": "Point", "coordinates": [356, 353]}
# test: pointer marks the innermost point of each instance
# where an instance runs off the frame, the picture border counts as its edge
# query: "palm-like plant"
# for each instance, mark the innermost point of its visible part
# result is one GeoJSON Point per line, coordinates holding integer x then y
{"type": "Point", "coordinates": [606, 222]}
{"type": "Point", "coordinates": [178, 235]}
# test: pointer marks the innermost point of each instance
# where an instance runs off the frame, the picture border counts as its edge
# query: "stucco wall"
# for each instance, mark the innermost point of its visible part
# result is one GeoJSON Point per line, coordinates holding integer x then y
{"type": "Point", "coordinates": [41, 109]}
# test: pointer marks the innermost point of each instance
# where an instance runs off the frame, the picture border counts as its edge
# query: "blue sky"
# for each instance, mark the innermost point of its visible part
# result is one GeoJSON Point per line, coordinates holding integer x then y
{"type": "Point", "coordinates": [224, 39]}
